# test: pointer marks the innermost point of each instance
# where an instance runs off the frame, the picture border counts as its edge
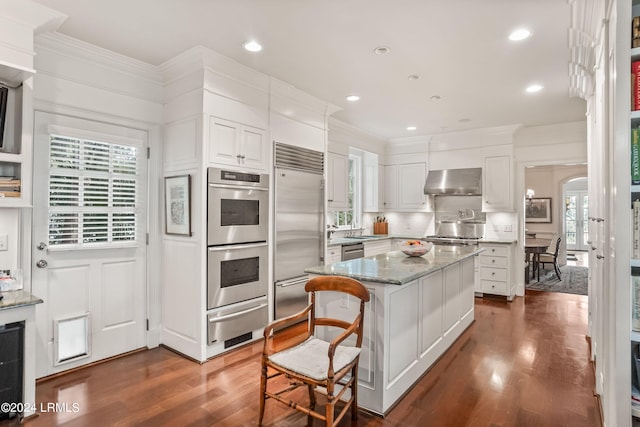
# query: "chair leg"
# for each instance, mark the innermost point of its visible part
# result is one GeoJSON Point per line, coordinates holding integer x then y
{"type": "Point", "coordinates": [263, 389]}
{"type": "Point", "coordinates": [329, 413]}
{"type": "Point", "coordinates": [555, 266]}
{"type": "Point", "coordinates": [312, 403]}
{"type": "Point", "coordinates": [354, 392]}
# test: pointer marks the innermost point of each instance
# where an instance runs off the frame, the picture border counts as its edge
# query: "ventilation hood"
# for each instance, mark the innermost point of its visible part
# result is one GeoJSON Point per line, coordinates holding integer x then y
{"type": "Point", "coordinates": [454, 182]}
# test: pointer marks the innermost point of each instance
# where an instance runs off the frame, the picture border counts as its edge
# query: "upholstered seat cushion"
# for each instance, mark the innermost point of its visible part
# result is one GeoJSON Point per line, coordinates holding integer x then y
{"type": "Point", "coordinates": [310, 358]}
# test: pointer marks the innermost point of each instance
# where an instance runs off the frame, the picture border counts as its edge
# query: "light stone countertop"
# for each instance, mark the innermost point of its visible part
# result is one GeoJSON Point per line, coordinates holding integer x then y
{"type": "Point", "coordinates": [395, 267]}
{"type": "Point", "coordinates": [13, 299]}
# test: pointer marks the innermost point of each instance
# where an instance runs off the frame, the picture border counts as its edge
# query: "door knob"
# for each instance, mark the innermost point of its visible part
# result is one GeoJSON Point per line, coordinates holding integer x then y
{"type": "Point", "coordinates": [41, 263]}
{"type": "Point", "coordinates": [41, 246]}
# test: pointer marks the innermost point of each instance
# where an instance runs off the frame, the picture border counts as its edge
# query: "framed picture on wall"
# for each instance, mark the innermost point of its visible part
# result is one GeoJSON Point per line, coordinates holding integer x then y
{"type": "Point", "coordinates": [538, 210]}
{"type": "Point", "coordinates": [177, 199]}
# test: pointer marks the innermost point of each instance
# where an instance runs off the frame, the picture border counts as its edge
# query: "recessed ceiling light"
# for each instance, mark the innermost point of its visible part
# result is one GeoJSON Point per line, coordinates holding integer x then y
{"type": "Point", "coordinates": [411, 128]}
{"type": "Point", "coordinates": [534, 88]}
{"type": "Point", "coordinates": [252, 46]}
{"type": "Point", "coordinates": [519, 34]}
{"type": "Point", "coordinates": [435, 98]}
{"type": "Point", "coordinates": [413, 77]}
{"type": "Point", "coordinates": [381, 50]}
{"type": "Point", "coordinates": [353, 98]}
{"type": "Point", "coordinates": [464, 120]}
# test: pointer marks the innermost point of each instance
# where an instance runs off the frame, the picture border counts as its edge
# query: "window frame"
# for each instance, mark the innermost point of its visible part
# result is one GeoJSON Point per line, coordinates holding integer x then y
{"type": "Point", "coordinates": [115, 181]}
{"type": "Point", "coordinates": [354, 196]}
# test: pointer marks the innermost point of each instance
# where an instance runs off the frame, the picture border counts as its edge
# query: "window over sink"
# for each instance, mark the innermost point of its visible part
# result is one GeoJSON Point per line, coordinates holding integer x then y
{"type": "Point", "coordinates": [352, 216]}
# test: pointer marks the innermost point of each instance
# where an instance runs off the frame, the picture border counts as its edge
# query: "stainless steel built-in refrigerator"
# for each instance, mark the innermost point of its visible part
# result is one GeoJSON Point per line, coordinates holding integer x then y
{"type": "Point", "coordinates": [299, 224]}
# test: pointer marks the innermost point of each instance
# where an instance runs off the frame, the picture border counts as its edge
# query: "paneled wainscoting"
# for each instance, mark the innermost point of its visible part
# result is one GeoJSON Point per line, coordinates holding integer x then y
{"type": "Point", "coordinates": [523, 363]}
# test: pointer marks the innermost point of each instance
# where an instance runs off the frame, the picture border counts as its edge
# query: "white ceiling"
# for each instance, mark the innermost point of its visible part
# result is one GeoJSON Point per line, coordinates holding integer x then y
{"type": "Point", "coordinates": [459, 48]}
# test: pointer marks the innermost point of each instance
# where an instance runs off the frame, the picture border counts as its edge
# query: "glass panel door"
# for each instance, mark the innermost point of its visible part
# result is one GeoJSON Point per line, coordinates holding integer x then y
{"type": "Point", "coordinates": [576, 215]}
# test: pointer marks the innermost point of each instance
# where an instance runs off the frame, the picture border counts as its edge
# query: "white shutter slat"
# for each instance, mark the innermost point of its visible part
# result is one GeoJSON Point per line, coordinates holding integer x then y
{"type": "Point", "coordinates": [93, 192]}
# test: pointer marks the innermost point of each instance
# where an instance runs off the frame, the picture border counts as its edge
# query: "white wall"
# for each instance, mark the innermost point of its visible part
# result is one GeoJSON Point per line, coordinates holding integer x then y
{"type": "Point", "coordinates": [10, 225]}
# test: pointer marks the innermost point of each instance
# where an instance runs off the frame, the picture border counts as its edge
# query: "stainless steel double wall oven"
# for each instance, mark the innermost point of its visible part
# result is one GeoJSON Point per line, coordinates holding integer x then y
{"type": "Point", "coordinates": [237, 264]}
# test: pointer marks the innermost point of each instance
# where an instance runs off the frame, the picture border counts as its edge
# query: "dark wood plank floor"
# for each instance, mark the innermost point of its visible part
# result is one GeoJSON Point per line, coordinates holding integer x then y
{"type": "Point", "coordinates": [521, 364]}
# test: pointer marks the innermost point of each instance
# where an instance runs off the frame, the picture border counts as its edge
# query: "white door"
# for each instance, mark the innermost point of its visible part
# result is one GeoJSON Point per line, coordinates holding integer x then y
{"type": "Point", "coordinates": [576, 220]}
{"type": "Point", "coordinates": [89, 240]}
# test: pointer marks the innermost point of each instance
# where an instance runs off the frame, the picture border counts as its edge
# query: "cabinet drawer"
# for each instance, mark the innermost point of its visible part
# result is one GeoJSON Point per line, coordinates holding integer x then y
{"type": "Point", "coordinates": [491, 287]}
{"type": "Point", "coordinates": [489, 273]}
{"type": "Point", "coordinates": [495, 251]}
{"type": "Point", "coordinates": [493, 261]}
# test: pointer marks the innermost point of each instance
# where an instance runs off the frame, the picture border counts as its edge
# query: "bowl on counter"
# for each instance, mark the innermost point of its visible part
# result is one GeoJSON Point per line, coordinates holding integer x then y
{"type": "Point", "coordinates": [415, 247]}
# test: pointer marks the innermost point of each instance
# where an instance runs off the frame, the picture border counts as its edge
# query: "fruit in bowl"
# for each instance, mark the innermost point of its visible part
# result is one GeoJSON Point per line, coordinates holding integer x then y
{"type": "Point", "coordinates": [415, 247]}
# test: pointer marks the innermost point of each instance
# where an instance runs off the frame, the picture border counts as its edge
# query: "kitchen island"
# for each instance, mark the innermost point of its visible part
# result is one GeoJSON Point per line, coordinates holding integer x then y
{"type": "Point", "coordinates": [419, 306]}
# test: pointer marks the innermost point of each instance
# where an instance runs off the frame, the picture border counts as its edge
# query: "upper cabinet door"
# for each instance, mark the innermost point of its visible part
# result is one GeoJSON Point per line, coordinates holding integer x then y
{"type": "Point", "coordinates": [404, 187]}
{"type": "Point", "coordinates": [372, 185]}
{"type": "Point", "coordinates": [497, 193]}
{"type": "Point", "coordinates": [234, 144]}
{"type": "Point", "coordinates": [411, 178]}
{"type": "Point", "coordinates": [253, 148]}
{"type": "Point", "coordinates": [338, 178]}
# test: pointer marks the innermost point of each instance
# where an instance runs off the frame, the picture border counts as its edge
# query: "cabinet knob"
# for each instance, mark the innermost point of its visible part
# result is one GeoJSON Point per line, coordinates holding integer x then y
{"type": "Point", "coordinates": [493, 261]}
{"type": "Point", "coordinates": [599, 256]}
{"type": "Point", "coordinates": [493, 273]}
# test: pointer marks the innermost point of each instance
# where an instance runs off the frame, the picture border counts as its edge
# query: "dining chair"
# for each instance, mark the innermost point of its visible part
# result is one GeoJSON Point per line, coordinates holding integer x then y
{"type": "Point", "coordinates": [320, 365]}
{"type": "Point", "coordinates": [552, 258]}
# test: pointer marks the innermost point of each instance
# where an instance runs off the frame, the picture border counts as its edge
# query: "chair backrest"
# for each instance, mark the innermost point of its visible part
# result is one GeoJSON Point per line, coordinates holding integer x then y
{"type": "Point", "coordinates": [555, 253]}
{"type": "Point", "coordinates": [338, 284]}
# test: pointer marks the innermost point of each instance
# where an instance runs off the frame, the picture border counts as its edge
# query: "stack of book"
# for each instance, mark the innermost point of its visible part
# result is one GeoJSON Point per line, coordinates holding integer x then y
{"type": "Point", "coordinates": [9, 186]}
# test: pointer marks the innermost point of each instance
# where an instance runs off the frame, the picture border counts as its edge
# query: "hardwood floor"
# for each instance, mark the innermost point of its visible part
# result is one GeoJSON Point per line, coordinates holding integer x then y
{"type": "Point", "coordinates": [521, 364]}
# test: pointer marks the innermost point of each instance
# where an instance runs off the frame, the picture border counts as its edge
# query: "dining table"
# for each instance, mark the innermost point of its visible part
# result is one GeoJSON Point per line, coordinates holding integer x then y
{"type": "Point", "coordinates": [533, 247]}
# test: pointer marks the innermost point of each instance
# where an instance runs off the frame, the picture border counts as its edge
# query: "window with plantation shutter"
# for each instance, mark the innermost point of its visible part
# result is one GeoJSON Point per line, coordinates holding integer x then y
{"type": "Point", "coordinates": [93, 193]}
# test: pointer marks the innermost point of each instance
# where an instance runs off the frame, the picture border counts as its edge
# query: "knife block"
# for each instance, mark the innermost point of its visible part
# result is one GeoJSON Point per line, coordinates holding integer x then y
{"type": "Point", "coordinates": [380, 228]}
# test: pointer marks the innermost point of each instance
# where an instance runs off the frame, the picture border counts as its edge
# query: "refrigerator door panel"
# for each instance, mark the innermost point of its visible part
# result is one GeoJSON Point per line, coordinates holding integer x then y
{"type": "Point", "coordinates": [299, 223]}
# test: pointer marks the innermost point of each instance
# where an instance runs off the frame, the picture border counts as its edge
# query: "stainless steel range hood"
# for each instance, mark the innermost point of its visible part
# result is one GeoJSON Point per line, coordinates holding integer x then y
{"type": "Point", "coordinates": [454, 182]}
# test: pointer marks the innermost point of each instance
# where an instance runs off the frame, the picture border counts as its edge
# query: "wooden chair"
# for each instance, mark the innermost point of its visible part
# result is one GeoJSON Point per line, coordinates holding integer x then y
{"type": "Point", "coordinates": [314, 362]}
{"type": "Point", "coordinates": [552, 258]}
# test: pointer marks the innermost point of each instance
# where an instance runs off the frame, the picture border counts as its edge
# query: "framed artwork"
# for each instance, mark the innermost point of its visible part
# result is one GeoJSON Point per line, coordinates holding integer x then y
{"type": "Point", "coordinates": [177, 200]}
{"type": "Point", "coordinates": [538, 210]}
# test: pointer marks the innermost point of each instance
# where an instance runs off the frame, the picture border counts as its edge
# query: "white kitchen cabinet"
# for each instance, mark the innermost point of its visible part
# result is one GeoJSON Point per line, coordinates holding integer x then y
{"type": "Point", "coordinates": [334, 254]}
{"type": "Point", "coordinates": [372, 185]}
{"type": "Point", "coordinates": [234, 144]}
{"type": "Point", "coordinates": [407, 328]}
{"type": "Point", "coordinates": [390, 184]}
{"type": "Point", "coordinates": [375, 247]}
{"type": "Point", "coordinates": [337, 181]}
{"type": "Point", "coordinates": [404, 187]}
{"type": "Point", "coordinates": [495, 270]}
{"type": "Point", "coordinates": [497, 192]}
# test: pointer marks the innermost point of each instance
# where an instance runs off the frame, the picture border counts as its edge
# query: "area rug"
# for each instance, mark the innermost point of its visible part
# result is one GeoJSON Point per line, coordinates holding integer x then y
{"type": "Point", "coordinates": [574, 280]}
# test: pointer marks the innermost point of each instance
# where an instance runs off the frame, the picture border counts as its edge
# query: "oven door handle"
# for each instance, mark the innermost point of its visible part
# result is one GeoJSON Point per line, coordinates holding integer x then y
{"type": "Point", "coordinates": [240, 246]}
{"type": "Point", "coordinates": [238, 187]}
{"type": "Point", "coordinates": [236, 314]}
